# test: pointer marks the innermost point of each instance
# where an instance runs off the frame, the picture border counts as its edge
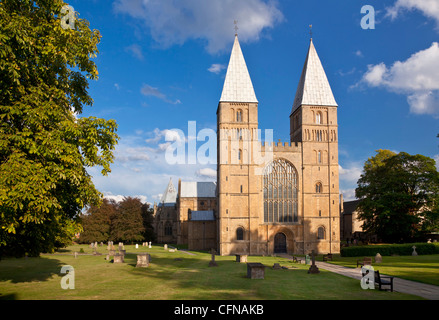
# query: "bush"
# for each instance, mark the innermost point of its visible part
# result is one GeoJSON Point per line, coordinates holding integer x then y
{"type": "Point", "coordinates": [390, 249]}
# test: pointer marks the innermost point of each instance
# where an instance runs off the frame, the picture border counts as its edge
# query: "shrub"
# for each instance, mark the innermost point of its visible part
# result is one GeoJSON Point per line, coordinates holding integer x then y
{"type": "Point", "coordinates": [390, 249]}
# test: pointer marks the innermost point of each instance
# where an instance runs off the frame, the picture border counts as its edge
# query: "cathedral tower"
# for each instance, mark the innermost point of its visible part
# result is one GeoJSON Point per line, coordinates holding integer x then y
{"type": "Point", "coordinates": [237, 120]}
{"type": "Point", "coordinates": [313, 124]}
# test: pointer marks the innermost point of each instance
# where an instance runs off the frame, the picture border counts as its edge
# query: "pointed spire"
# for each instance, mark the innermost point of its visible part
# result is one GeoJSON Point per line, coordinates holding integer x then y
{"type": "Point", "coordinates": [238, 86]}
{"type": "Point", "coordinates": [313, 88]}
{"type": "Point", "coordinates": [170, 195]}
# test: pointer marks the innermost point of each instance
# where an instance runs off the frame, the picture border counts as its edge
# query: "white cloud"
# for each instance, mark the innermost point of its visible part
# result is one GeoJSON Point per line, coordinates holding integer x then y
{"type": "Point", "coordinates": [348, 194]}
{"type": "Point", "coordinates": [429, 8]}
{"type": "Point", "coordinates": [147, 90]}
{"type": "Point", "coordinates": [174, 22]}
{"type": "Point", "coordinates": [206, 172]}
{"type": "Point", "coordinates": [119, 198]}
{"type": "Point", "coordinates": [351, 174]}
{"type": "Point", "coordinates": [216, 68]}
{"type": "Point", "coordinates": [135, 50]}
{"type": "Point", "coordinates": [417, 77]}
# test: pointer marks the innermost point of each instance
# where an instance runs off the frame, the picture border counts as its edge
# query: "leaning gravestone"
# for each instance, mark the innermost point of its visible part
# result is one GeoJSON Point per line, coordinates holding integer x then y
{"type": "Point", "coordinates": [378, 258]}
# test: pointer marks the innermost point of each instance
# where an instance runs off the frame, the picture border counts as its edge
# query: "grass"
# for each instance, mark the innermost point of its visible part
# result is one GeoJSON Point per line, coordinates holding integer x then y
{"type": "Point", "coordinates": [422, 268]}
{"type": "Point", "coordinates": [187, 278]}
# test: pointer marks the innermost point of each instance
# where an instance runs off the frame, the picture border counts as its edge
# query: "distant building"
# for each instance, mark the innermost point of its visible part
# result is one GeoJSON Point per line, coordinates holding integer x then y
{"type": "Point", "coordinates": [350, 226]}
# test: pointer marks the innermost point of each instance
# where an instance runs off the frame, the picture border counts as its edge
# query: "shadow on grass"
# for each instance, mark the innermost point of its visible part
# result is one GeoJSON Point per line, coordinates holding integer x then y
{"type": "Point", "coordinates": [29, 269]}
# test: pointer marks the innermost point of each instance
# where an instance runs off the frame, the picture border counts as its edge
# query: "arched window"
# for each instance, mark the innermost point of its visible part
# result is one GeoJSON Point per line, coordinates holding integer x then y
{"type": "Point", "coordinates": [240, 234]}
{"type": "Point", "coordinates": [319, 187]}
{"type": "Point", "coordinates": [319, 118]}
{"type": "Point", "coordinates": [239, 116]}
{"type": "Point", "coordinates": [280, 192]}
{"type": "Point", "coordinates": [321, 233]}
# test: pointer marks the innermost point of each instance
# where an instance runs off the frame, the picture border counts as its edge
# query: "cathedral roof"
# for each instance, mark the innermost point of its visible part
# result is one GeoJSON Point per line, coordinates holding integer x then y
{"type": "Point", "coordinates": [170, 195]}
{"type": "Point", "coordinates": [313, 88]}
{"type": "Point", "coordinates": [198, 189]}
{"type": "Point", "coordinates": [238, 86]}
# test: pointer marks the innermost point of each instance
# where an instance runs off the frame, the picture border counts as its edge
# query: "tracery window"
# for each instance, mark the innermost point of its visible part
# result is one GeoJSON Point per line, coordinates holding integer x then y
{"type": "Point", "coordinates": [280, 192]}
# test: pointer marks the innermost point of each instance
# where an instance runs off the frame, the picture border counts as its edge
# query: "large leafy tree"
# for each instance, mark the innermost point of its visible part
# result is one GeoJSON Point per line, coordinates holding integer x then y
{"type": "Point", "coordinates": [399, 196]}
{"type": "Point", "coordinates": [127, 225]}
{"type": "Point", "coordinates": [96, 222]}
{"type": "Point", "coordinates": [45, 146]}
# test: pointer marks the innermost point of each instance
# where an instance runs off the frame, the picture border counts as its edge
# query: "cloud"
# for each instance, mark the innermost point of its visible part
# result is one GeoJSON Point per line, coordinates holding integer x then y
{"type": "Point", "coordinates": [417, 77]}
{"type": "Point", "coordinates": [206, 172]}
{"type": "Point", "coordinates": [147, 90]}
{"type": "Point", "coordinates": [174, 22]}
{"type": "Point", "coordinates": [135, 50]}
{"type": "Point", "coordinates": [119, 198]}
{"type": "Point", "coordinates": [429, 8]}
{"type": "Point", "coordinates": [351, 174]}
{"type": "Point", "coordinates": [216, 68]}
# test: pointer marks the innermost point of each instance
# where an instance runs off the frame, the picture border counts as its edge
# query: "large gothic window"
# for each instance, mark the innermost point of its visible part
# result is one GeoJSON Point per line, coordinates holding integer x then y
{"type": "Point", "coordinates": [280, 192]}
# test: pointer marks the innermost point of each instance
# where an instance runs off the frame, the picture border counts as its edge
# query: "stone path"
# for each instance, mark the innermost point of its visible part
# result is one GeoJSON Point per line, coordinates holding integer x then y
{"type": "Point", "coordinates": [427, 291]}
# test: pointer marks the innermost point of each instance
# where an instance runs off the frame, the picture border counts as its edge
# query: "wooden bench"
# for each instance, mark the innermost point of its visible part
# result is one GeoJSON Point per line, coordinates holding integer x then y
{"type": "Point", "coordinates": [383, 281]}
{"type": "Point", "coordinates": [365, 261]}
{"type": "Point", "coordinates": [380, 280]}
{"type": "Point", "coordinates": [327, 257]}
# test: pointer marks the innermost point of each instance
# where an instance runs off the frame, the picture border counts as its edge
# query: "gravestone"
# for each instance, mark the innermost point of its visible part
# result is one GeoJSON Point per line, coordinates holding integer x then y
{"type": "Point", "coordinates": [378, 258]}
{"type": "Point", "coordinates": [212, 262]}
{"type": "Point", "coordinates": [165, 247]}
{"type": "Point", "coordinates": [150, 244]}
{"type": "Point", "coordinates": [313, 269]}
{"type": "Point", "coordinates": [241, 258]}
{"type": "Point", "coordinates": [255, 270]}
{"type": "Point", "coordinates": [307, 259]}
{"type": "Point", "coordinates": [143, 260]}
{"type": "Point", "coordinates": [137, 246]}
{"type": "Point", "coordinates": [414, 253]}
{"type": "Point", "coordinates": [277, 266]}
{"type": "Point", "coordinates": [118, 258]}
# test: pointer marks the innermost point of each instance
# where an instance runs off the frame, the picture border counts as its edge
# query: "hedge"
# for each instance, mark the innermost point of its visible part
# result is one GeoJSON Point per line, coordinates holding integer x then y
{"type": "Point", "coordinates": [390, 249]}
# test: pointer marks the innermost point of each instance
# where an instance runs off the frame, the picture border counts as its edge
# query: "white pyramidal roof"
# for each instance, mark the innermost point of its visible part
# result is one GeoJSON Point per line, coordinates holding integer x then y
{"type": "Point", "coordinates": [313, 88]}
{"type": "Point", "coordinates": [170, 195]}
{"type": "Point", "coordinates": [238, 86]}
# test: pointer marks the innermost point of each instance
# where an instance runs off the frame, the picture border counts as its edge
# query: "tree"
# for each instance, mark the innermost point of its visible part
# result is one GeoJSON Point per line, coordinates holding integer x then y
{"type": "Point", "coordinates": [97, 222]}
{"type": "Point", "coordinates": [127, 225]}
{"type": "Point", "coordinates": [45, 147]}
{"type": "Point", "coordinates": [399, 196]}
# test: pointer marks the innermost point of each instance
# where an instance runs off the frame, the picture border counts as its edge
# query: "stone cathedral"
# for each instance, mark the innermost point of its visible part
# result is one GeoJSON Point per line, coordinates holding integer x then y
{"type": "Point", "coordinates": [269, 197]}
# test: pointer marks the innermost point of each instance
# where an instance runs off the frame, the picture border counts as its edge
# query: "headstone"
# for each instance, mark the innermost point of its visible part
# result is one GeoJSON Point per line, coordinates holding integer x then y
{"type": "Point", "coordinates": [378, 258]}
{"type": "Point", "coordinates": [118, 258]}
{"type": "Point", "coordinates": [307, 259]}
{"type": "Point", "coordinates": [277, 266]}
{"type": "Point", "coordinates": [171, 250]}
{"type": "Point", "coordinates": [255, 270]}
{"type": "Point", "coordinates": [165, 247]}
{"type": "Point", "coordinates": [212, 262]}
{"type": "Point", "coordinates": [313, 269]}
{"type": "Point", "coordinates": [76, 254]}
{"type": "Point", "coordinates": [142, 260]}
{"type": "Point", "coordinates": [414, 253]}
{"type": "Point", "coordinates": [241, 258]}
{"type": "Point", "coordinates": [150, 244]}
{"type": "Point", "coordinates": [137, 246]}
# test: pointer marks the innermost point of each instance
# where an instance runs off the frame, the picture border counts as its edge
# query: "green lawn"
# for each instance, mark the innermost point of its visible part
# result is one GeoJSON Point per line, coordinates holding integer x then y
{"type": "Point", "coordinates": [422, 268]}
{"type": "Point", "coordinates": [188, 277]}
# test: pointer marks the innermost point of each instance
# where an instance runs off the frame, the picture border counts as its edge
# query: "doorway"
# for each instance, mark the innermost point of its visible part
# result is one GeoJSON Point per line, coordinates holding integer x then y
{"type": "Point", "coordinates": [280, 243]}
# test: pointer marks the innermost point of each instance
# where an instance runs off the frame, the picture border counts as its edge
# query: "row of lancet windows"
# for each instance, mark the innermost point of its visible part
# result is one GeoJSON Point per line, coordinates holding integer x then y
{"type": "Point", "coordinates": [319, 135]}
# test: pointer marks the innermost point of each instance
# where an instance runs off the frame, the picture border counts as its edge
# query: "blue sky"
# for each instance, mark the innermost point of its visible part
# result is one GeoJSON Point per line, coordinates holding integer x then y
{"type": "Point", "coordinates": [162, 63]}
